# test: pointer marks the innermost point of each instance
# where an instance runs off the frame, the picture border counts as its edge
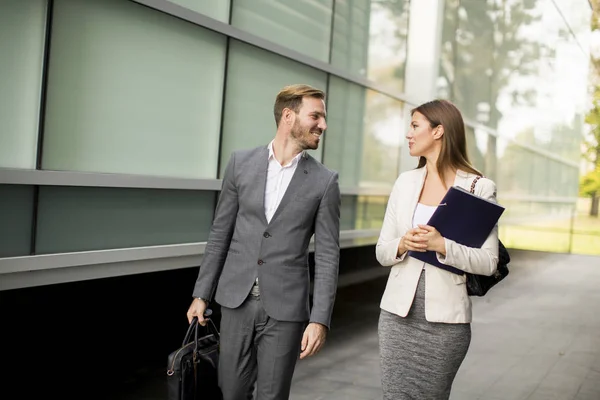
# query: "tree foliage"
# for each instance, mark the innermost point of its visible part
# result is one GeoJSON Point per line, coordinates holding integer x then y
{"type": "Point", "coordinates": [590, 183]}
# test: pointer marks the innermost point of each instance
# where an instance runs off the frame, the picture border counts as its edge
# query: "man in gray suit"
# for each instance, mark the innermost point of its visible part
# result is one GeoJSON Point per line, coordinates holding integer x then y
{"type": "Point", "coordinates": [273, 199]}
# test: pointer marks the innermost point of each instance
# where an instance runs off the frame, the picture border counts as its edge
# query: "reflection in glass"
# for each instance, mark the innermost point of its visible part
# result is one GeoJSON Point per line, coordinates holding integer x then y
{"type": "Point", "coordinates": [16, 214]}
{"type": "Point", "coordinates": [254, 77]}
{"type": "Point", "coordinates": [138, 98]}
{"type": "Point", "coordinates": [467, 57]}
{"type": "Point", "coordinates": [518, 67]}
{"type": "Point", "coordinates": [476, 155]}
{"type": "Point", "coordinates": [301, 25]}
{"type": "Point", "coordinates": [88, 218]}
{"type": "Point", "coordinates": [526, 173]}
{"type": "Point", "coordinates": [514, 178]}
{"type": "Point", "coordinates": [363, 139]}
{"type": "Point", "coordinates": [515, 66]}
{"type": "Point", "coordinates": [539, 226]}
{"type": "Point", "coordinates": [370, 38]}
{"type": "Point", "coordinates": [362, 212]}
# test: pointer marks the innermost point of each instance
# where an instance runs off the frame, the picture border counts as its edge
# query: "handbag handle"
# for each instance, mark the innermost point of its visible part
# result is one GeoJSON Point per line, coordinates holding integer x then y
{"type": "Point", "coordinates": [195, 326]}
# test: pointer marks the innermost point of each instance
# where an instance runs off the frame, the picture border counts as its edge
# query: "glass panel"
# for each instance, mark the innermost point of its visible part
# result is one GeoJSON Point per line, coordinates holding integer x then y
{"type": "Point", "coordinates": [214, 9]}
{"type": "Point", "coordinates": [370, 39]}
{"type": "Point", "coordinates": [448, 50]}
{"type": "Point", "coordinates": [348, 213]}
{"type": "Point", "coordinates": [16, 214]}
{"type": "Point", "coordinates": [550, 115]}
{"type": "Point", "coordinates": [476, 147]}
{"type": "Point", "coordinates": [537, 226]}
{"type": "Point", "coordinates": [301, 25]}
{"type": "Point", "coordinates": [491, 160]}
{"type": "Point", "coordinates": [362, 212]}
{"type": "Point", "coordinates": [254, 77]}
{"type": "Point", "coordinates": [517, 67]}
{"type": "Point", "coordinates": [371, 210]}
{"type": "Point", "coordinates": [22, 29]}
{"type": "Point", "coordinates": [467, 57]}
{"type": "Point", "coordinates": [143, 97]}
{"type": "Point", "coordinates": [364, 135]}
{"type": "Point", "coordinates": [88, 218]}
{"type": "Point", "coordinates": [515, 177]}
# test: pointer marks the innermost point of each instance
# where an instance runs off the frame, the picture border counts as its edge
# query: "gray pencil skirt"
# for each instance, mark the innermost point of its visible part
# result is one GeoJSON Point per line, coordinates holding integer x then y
{"type": "Point", "coordinates": [419, 359]}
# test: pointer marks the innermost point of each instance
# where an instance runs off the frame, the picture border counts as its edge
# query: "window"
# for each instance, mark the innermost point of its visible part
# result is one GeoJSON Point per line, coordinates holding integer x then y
{"type": "Point", "coordinates": [370, 39]}
{"type": "Point", "coordinates": [22, 29]}
{"type": "Point", "coordinates": [143, 97]}
{"type": "Point", "coordinates": [88, 218]}
{"type": "Point", "coordinates": [16, 214]}
{"type": "Point", "coordinates": [301, 25]}
{"type": "Point", "coordinates": [364, 135]}
{"type": "Point", "coordinates": [362, 212]}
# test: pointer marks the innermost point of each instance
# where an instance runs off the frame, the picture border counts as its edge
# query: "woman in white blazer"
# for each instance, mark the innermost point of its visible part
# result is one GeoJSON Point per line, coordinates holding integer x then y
{"type": "Point", "coordinates": [424, 325]}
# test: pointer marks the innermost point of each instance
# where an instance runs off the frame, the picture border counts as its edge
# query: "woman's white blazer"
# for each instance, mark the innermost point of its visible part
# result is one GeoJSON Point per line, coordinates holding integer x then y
{"type": "Point", "coordinates": [446, 298]}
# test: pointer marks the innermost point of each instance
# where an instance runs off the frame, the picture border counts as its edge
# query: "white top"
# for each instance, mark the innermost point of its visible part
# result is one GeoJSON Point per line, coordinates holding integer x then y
{"type": "Point", "coordinates": [278, 180]}
{"type": "Point", "coordinates": [422, 214]}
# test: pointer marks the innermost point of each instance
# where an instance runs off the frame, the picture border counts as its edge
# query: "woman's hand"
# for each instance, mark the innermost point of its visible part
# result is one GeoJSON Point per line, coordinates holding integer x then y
{"type": "Point", "coordinates": [435, 241]}
{"type": "Point", "coordinates": [413, 240]}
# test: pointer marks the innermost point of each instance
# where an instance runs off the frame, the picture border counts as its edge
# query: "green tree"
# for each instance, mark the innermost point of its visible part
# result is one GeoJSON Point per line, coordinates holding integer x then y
{"type": "Point", "coordinates": [590, 183]}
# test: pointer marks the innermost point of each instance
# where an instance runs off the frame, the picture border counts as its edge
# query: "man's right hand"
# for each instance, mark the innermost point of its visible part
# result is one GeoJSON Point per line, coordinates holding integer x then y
{"type": "Point", "coordinates": [197, 309]}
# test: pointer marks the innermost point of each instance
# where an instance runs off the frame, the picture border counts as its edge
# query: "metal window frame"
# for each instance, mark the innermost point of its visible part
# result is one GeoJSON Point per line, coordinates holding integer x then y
{"type": "Point", "coordinates": [45, 269]}
{"type": "Point", "coordinates": [128, 181]}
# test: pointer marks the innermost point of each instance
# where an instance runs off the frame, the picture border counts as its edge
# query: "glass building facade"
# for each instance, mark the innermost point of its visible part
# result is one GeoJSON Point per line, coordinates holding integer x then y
{"type": "Point", "coordinates": [117, 117]}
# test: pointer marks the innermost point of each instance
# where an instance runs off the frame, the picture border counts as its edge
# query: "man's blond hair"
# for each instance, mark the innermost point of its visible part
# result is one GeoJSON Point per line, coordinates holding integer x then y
{"type": "Point", "coordinates": [291, 97]}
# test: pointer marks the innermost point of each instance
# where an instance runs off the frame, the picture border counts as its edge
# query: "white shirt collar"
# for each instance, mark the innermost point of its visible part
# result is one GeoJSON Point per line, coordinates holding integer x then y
{"type": "Point", "coordinates": [295, 160]}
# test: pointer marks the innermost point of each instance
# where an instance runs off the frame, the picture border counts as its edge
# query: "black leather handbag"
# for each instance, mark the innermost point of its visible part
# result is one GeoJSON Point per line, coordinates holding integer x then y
{"type": "Point", "coordinates": [478, 285]}
{"type": "Point", "coordinates": [192, 369]}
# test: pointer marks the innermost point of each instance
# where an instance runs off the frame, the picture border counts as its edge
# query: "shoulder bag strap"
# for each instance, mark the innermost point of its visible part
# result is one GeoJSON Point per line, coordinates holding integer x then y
{"type": "Point", "coordinates": [474, 183]}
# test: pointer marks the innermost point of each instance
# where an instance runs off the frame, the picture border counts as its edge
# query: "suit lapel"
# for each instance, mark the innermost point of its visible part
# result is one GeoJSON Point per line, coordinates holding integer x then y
{"type": "Point", "coordinates": [300, 177]}
{"type": "Point", "coordinates": [261, 165]}
{"type": "Point", "coordinates": [417, 189]}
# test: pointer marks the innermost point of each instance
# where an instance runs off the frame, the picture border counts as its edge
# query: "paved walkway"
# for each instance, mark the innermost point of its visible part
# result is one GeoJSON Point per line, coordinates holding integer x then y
{"type": "Point", "coordinates": [536, 336]}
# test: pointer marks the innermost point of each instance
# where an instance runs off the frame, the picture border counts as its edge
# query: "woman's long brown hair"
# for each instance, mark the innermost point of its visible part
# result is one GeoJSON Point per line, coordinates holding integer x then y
{"type": "Point", "coordinates": [454, 141]}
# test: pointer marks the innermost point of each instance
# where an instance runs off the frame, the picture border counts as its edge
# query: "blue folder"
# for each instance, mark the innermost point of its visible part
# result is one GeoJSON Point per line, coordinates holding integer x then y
{"type": "Point", "coordinates": [463, 217]}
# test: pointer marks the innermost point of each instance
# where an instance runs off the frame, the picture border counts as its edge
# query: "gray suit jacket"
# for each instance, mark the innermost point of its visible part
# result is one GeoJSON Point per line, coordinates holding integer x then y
{"type": "Point", "coordinates": [242, 245]}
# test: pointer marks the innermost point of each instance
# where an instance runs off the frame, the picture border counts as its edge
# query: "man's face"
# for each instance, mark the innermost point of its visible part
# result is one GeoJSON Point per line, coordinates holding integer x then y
{"type": "Point", "coordinates": [310, 123]}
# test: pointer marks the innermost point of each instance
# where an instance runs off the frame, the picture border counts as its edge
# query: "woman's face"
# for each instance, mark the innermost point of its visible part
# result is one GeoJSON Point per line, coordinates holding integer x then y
{"type": "Point", "coordinates": [421, 136]}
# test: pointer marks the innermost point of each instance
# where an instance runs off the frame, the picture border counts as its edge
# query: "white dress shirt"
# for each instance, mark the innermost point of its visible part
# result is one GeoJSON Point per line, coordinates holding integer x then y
{"type": "Point", "coordinates": [423, 213]}
{"type": "Point", "coordinates": [278, 180]}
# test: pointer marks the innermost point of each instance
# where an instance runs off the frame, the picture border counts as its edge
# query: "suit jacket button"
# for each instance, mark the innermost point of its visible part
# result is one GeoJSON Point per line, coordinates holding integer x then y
{"type": "Point", "coordinates": [267, 234]}
{"type": "Point", "coordinates": [260, 262]}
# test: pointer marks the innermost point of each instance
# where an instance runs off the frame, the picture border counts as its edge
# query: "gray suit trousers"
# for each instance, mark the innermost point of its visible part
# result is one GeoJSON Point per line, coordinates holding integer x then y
{"type": "Point", "coordinates": [256, 348]}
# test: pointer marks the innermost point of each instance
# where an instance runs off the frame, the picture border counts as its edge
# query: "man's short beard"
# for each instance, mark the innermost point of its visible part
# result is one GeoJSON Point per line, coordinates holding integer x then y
{"type": "Point", "coordinates": [300, 135]}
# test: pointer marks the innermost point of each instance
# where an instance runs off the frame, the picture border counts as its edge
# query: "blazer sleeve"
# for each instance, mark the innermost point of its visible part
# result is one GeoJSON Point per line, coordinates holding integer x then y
{"type": "Point", "coordinates": [479, 261]}
{"type": "Point", "coordinates": [327, 253]}
{"type": "Point", "coordinates": [386, 249]}
{"type": "Point", "coordinates": [219, 237]}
